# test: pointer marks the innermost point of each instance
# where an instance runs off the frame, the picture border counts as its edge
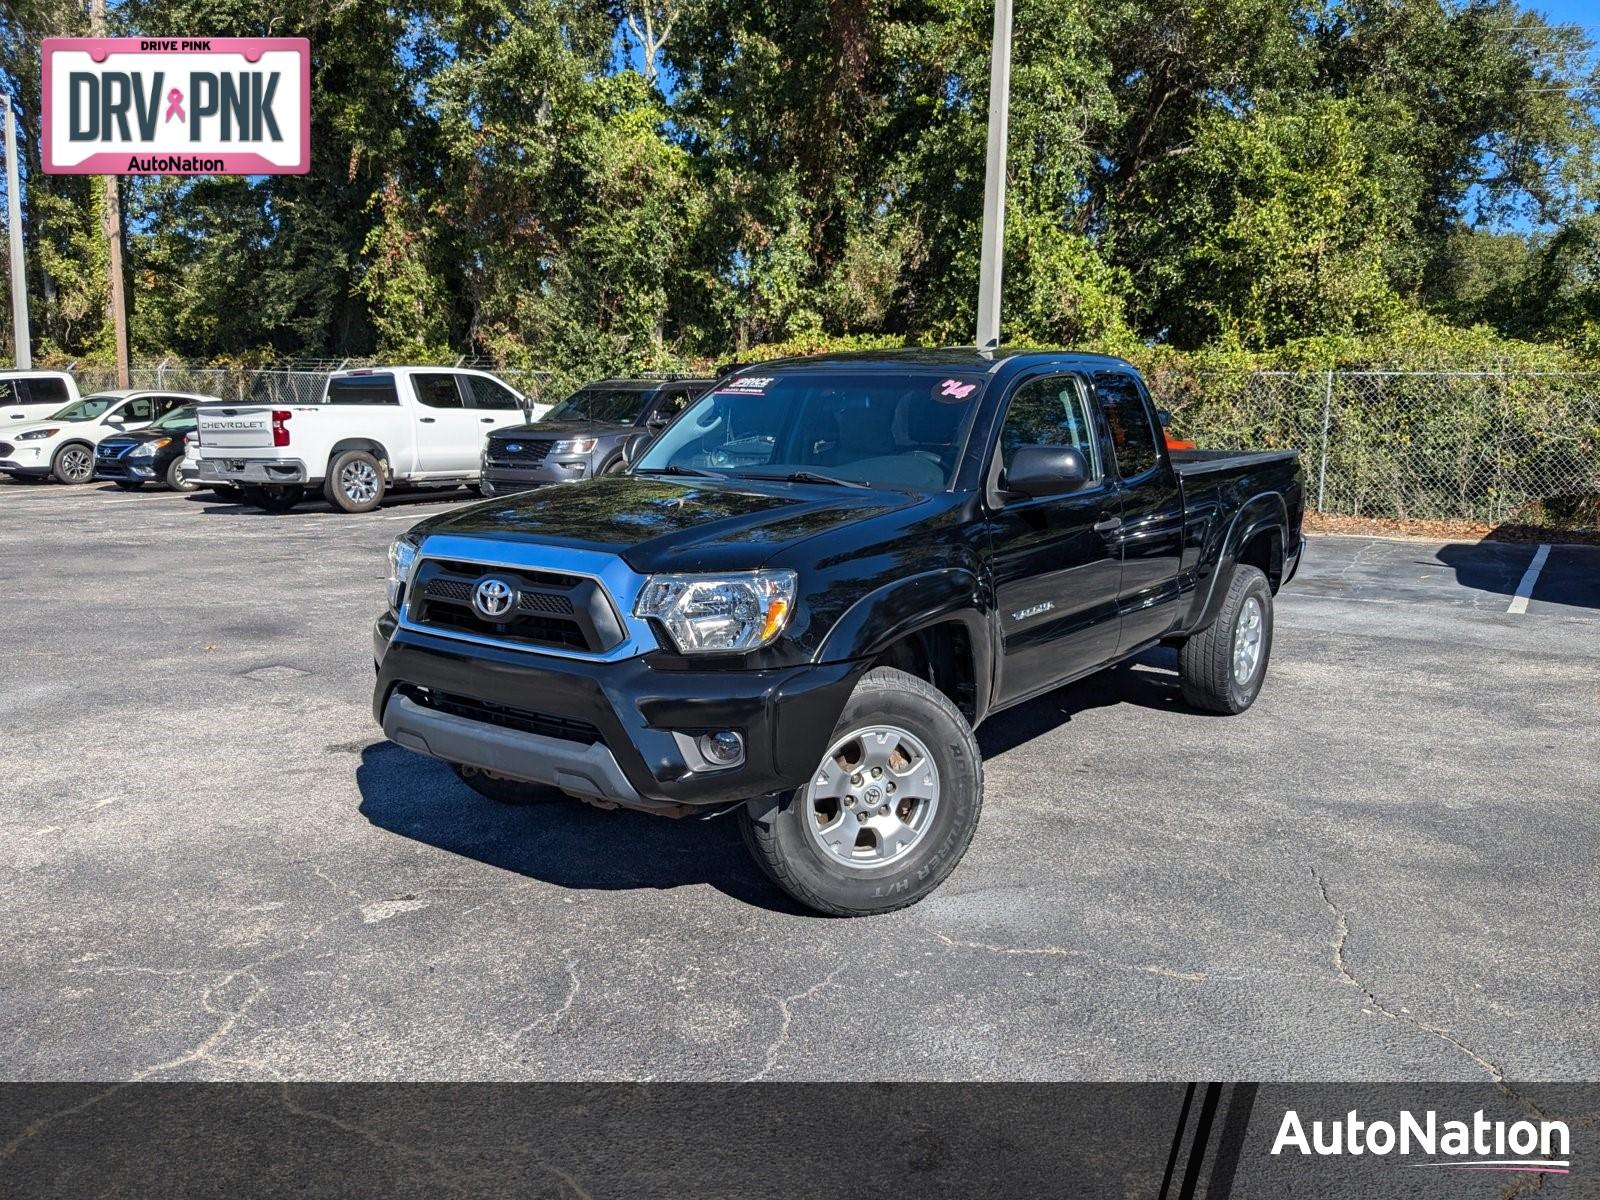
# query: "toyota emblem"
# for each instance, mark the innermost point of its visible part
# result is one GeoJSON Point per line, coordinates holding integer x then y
{"type": "Point", "coordinates": [493, 598]}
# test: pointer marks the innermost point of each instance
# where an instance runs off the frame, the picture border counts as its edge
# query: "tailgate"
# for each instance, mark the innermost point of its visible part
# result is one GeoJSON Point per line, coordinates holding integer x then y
{"type": "Point", "coordinates": [238, 428]}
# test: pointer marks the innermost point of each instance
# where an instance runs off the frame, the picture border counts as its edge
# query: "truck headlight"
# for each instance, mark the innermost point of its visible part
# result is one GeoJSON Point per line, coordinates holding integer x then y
{"type": "Point", "coordinates": [148, 449]}
{"type": "Point", "coordinates": [37, 433]}
{"type": "Point", "coordinates": [574, 446]}
{"type": "Point", "coordinates": [719, 614]}
{"type": "Point", "coordinates": [402, 556]}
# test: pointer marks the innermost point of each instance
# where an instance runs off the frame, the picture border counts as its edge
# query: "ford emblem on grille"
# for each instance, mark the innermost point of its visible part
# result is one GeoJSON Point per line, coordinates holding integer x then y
{"type": "Point", "coordinates": [514, 448]}
{"type": "Point", "coordinates": [493, 598]}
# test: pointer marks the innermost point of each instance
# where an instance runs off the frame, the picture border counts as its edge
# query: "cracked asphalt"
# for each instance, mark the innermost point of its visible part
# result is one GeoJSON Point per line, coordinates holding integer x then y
{"type": "Point", "coordinates": [218, 869]}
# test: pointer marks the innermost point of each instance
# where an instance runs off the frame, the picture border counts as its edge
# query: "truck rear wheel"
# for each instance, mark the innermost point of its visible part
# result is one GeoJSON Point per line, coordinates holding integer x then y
{"type": "Point", "coordinates": [274, 497]}
{"type": "Point", "coordinates": [889, 811]}
{"type": "Point", "coordinates": [1222, 666]}
{"type": "Point", "coordinates": [355, 482]}
{"type": "Point", "coordinates": [502, 789]}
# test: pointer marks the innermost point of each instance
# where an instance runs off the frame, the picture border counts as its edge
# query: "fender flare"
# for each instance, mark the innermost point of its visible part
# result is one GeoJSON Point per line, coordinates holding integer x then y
{"type": "Point", "coordinates": [370, 445]}
{"type": "Point", "coordinates": [1266, 511]}
{"type": "Point", "coordinates": [907, 606]}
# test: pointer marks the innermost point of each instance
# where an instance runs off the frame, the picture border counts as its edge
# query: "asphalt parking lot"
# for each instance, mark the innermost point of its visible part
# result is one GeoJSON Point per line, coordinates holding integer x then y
{"type": "Point", "coordinates": [217, 868]}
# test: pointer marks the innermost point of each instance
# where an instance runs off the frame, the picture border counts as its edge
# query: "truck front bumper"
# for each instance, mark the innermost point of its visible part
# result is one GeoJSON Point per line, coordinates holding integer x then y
{"type": "Point", "coordinates": [504, 481]}
{"type": "Point", "coordinates": [620, 732]}
{"type": "Point", "coordinates": [252, 470]}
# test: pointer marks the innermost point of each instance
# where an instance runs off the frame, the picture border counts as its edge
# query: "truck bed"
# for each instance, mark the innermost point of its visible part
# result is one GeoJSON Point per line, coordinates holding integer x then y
{"type": "Point", "coordinates": [1190, 463]}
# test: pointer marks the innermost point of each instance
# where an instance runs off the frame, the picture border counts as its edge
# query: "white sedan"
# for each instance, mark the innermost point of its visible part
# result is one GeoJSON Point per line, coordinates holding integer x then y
{"type": "Point", "coordinates": [62, 447]}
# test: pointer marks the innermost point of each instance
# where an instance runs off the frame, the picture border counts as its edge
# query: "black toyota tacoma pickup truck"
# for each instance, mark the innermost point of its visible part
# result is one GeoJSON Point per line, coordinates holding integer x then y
{"type": "Point", "coordinates": [802, 599]}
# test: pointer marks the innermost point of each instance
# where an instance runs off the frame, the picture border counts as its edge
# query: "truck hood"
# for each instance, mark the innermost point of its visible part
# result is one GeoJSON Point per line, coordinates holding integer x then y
{"type": "Point", "coordinates": [660, 523]}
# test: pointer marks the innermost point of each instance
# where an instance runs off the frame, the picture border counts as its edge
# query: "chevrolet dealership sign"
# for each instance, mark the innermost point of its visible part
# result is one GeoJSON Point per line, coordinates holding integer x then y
{"type": "Point", "coordinates": [177, 106]}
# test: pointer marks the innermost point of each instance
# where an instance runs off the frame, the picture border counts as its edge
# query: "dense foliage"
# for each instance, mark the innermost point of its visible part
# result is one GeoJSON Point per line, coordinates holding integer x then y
{"type": "Point", "coordinates": [596, 186]}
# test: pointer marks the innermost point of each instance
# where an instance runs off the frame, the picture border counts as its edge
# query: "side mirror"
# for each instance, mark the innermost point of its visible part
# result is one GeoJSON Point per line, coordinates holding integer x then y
{"type": "Point", "coordinates": [1046, 471]}
{"type": "Point", "coordinates": [1164, 417]}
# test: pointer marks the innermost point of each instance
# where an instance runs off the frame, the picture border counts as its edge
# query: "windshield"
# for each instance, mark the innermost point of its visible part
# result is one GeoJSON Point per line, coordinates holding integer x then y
{"type": "Point", "coordinates": [896, 431]}
{"type": "Point", "coordinates": [86, 409]}
{"type": "Point", "coordinates": [616, 406]}
{"type": "Point", "coordinates": [179, 418]}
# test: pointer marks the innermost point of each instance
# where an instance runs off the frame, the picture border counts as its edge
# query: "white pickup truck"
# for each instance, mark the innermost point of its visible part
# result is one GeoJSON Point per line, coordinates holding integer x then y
{"type": "Point", "coordinates": [376, 428]}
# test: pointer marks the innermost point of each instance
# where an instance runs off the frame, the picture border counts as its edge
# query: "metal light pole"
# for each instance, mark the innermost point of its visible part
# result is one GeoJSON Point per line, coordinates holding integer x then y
{"type": "Point", "coordinates": [19, 278]}
{"type": "Point", "coordinates": [994, 184]}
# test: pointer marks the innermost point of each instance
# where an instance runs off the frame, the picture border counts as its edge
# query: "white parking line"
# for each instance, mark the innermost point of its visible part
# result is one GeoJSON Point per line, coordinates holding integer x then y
{"type": "Point", "coordinates": [1519, 602]}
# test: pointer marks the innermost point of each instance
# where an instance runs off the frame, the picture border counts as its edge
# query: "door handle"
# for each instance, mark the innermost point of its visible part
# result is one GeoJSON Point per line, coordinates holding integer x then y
{"type": "Point", "coordinates": [1109, 525]}
{"type": "Point", "coordinates": [487, 420]}
{"type": "Point", "coordinates": [426, 420]}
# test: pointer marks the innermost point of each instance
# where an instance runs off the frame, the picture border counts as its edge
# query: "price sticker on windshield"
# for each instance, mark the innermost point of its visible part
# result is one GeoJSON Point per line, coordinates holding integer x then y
{"type": "Point", "coordinates": [749, 385]}
{"type": "Point", "coordinates": [955, 390]}
{"type": "Point", "coordinates": [177, 106]}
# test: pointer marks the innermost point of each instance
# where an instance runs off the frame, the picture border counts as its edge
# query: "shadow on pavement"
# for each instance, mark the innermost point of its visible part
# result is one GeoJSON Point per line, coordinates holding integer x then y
{"type": "Point", "coordinates": [562, 842]}
{"type": "Point", "coordinates": [573, 845]}
{"type": "Point", "coordinates": [1149, 681]}
{"type": "Point", "coordinates": [213, 502]}
{"type": "Point", "coordinates": [1569, 575]}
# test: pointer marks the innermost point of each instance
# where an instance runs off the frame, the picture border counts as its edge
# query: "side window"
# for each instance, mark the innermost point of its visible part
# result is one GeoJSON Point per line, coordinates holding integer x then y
{"type": "Point", "coordinates": [1053, 411]}
{"type": "Point", "coordinates": [486, 393]}
{"type": "Point", "coordinates": [49, 390]}
{"type": "Point", "coordinates": [1133, 440]}
{"type": "Point", "coordinates": [370, 388]}
{"type": "Point", "coordinates": [141, 409]}
{"type": "Point", "coordinates": [9, 393]}
{"type": "Point", "coordinates": [165, 404]}
{"type": "Point", "coordinates": [673, 403]}
{"type": "Point", "coordinates": [437, 391]}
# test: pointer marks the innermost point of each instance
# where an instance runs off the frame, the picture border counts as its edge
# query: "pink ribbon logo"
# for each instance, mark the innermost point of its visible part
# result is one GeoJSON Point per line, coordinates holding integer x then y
{"type": "Point", "coordinates": [175, 106]}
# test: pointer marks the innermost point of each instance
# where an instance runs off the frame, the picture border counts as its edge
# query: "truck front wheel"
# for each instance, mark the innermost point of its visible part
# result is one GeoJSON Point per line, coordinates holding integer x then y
{"type": "Point", "coordinates": [1221, 667]}
{"type": "Point", "coordinates": [888, 812]}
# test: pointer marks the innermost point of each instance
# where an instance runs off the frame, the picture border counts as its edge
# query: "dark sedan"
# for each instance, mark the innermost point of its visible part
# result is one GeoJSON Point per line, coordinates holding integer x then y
{"type": "Point", "coordinates": [597, 430]}
{"type": "Point", "coordinates": [153, 454]}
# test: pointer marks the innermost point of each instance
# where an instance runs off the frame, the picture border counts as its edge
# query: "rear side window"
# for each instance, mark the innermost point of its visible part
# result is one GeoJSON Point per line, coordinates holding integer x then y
{"type": "Point", "coordinates": [141, 409]}
{"type": "Point", "coordinates": [486, 393]}
{"type": "Point", "coordinates": [437, 391]}
{"type": "Point", "coordinates": [1133, 439]}
{"type": "Point", "coordinates": [377, 388]}
{"type": "Point", "coordinates": [47, 390]}
{"type": "Point", "coordinates": [1053, 411]}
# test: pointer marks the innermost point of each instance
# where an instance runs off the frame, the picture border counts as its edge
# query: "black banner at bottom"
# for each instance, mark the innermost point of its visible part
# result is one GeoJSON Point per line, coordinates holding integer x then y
{"type": "Point", "coordinates": [588, 1141]}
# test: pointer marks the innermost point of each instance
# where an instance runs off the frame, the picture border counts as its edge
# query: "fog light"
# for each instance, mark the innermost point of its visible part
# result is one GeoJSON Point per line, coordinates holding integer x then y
{"type": "Point", "coordinates": [722, 749]}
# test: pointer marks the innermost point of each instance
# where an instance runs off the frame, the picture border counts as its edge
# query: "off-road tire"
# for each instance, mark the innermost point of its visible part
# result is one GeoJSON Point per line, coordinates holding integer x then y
{"type": "Point", "coordinates": [335, 486]}
{"type": "Point", "coordinates": [775, 830]}
{"type": "Point", "coordinates": [1206, 660]}
{"type": "Point", "coordinates": [504, 790]}
{"type": "Point", "coordinates": [73, 463]}
{"type": "Point", "coordinates": [273, 497]}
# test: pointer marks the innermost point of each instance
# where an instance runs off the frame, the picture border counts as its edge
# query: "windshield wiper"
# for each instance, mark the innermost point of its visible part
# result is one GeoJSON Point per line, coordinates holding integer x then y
{"type": "Point", "coordinates": [675, 469]}
{"type": "Point", "coordinates": [806, 477]}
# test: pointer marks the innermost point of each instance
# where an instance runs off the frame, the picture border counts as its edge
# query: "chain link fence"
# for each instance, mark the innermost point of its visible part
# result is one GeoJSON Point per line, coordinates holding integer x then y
{"type": "Point", "coordinates": [1485, 446]}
